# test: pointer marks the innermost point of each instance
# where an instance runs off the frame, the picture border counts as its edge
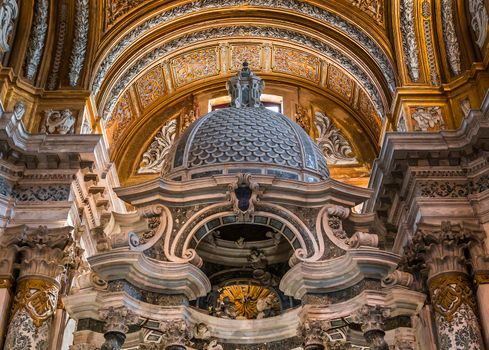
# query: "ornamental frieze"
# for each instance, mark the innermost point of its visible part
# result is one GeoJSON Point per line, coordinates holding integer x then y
{"type": "Point", "coordinates": [373, 8]}
{"type": "Point", "coordinates": [151, 86]}
{"type": "Point", "coordinates": [36, 40]}
{"type": "Point", "coordinates": [248, 53]}
{"type": "Point", "coordinates": [80, 41]}
{"type": "Point", "coordinates": [450, 35]}
{"type": "Point", "coordinates": [42, 193]}
{"type": "Point", "coordinates": [409, 39]}
{"type": "Point", "coordinates": [295, 62]}
{"type": "Point", "coordinates": [195, 65]}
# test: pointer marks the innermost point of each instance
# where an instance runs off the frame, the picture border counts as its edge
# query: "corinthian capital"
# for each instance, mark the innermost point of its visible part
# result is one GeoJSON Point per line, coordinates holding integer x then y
{"type": "Point", "coordinates": [117, 319]}
{"type": "Point", "coordinates": [372, 319]}
{"type": "Point", "coordinates": [175, 332]}
{"type": "Point", "coordinates": [313, 333]}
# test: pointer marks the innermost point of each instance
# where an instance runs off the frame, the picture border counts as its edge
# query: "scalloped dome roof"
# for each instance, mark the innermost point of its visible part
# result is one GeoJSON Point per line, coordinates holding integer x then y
{"type": "Point", "coordinates": [245, 138]}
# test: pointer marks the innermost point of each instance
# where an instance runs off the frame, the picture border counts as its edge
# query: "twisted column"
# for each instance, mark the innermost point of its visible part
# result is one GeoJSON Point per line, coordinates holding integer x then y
{"type": "Point", "coordinates": [442, 251]}
{"type": "Point", "coordinates": [38, 284]}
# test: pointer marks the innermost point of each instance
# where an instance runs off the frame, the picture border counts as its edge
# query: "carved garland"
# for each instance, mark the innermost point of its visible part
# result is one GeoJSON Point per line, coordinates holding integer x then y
{"type": "Point", "coordinates": [409, 39]}
{"type": "Point", "coordinates": [80, 40]}
{"type": "Point", "coordinates": [240, 31]}
{"type": "Point", "coordinates": [450, 36]}
{"type": "Point", "coordinates": [37, 38]}
{"type": "Point", "coordinates": [303, 8]}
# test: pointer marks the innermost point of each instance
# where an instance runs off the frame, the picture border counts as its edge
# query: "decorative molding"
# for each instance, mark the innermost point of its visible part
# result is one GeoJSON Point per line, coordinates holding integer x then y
{"type": "Point", "coordinates": [42, 193]}
{"type": "Point", "coordinates": [450, 36]}
{"type": "Point", "coordinates": [37, 38]}
{"type": "Point", "coordinates": [318, 13]}
{"type": "Point", "coordinates": [9, 11]}
{"type": "Point", "coordinates": [155, 156]}
{"type": "Point", "coordinates": [243, 31]}
{"type": "Point", "coordinates": [80, 40]}
{"type": "Point", "coordinates": [479, 21]}
{"type": "Point", "coordinates": [61, 30]}
{"type": "Point", "coordinates": [334, 146]}
{"type": "Point", "coordinates": [373, 8]}
{"type": "Point", "coordinates": [409, 39]}
{"type": "Point", "coordinates": [115, 9]}
{"type": "Point", "coordinates": [58, 122]}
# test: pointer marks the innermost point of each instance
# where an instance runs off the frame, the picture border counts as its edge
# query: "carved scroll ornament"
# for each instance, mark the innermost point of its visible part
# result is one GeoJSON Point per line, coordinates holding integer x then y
{"type": "Point", "coordinates": [154, 157]}
{"type": "Point", "coordinates": [332, 143]}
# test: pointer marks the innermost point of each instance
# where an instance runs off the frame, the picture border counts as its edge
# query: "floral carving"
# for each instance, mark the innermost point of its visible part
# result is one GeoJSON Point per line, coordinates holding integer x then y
{"type": "Point", "coordinates": [155, 156]}
{"type": "Point", "coordinates": [58, 122]}
{"type": "Point", "coordinates": [248, 53]}
{"type": "Point", "coordinates": [302, 117]}
{"type": "Point", "coordinates": [295, 62]}
{"type": "Point", "coordinates": [195, 65]}
{"type": "Point", "coordinates": [318, 13]}
{"type": "Point", "coordinates": [332, 143]}
{"type": "Point", "coordinates": [450, 36]}
{"type": "Point", "coordinates": [9, 11]}
{"type": "Point", "coordinates": [427, 118]}
{"type": "Point", "coordinates": [115, 9]}
{"type": "Point", "coordinates": [340, 82]}
{"type": "Point", "coordinates": [409, 39]}
{"type": "Point", "coordinates": [42, 193]}
{"type": "Point", "coordinates": [175, 332]}
{"type": "Point", "coordinates": [435, 79]}
{"type": "Point", "coordinates": [374, 8]}
{"type": "Point", "coordinates": [122, 116]}
{"type": "Point", "coordinates": [151, 86]}
{"type": "Point", "coordinates": [479, 21]}
{"type": "Point", "coordinates": [80, 41]}
{"type": "Point", "coordinates": [36, 39]}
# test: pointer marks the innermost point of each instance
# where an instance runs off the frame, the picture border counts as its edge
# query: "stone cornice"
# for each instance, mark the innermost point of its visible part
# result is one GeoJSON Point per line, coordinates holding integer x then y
{"type": "Point", "coordinates": [215, 190]}
{"type": "Point", "coordinates": [337, 274]}
{"type": "Point", "coordinates": [13, 131]}
{"type": "Point", "coordinates": [399, 147]}
{"type": "Point", "coordinates": [158, 276]}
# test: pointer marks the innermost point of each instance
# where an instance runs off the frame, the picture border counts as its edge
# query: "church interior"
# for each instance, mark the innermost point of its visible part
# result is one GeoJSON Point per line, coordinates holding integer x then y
{"type": "Point", "coordinates": [244, 175]}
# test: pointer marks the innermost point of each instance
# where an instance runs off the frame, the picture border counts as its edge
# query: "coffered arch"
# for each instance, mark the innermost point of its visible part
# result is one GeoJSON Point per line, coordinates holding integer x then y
{"type": "Point", "coordinates": [346, 43]}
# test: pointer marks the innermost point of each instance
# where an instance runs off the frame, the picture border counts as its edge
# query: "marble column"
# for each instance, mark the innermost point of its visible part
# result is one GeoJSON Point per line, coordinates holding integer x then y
{"type": "Point", "coordinates": [117, 321]}
{"type": "Point", "coordinates": [372, 318]}
{"type": "Point", "coordinates": [313, 334]}
{"type": "Point", "coordinates": [42, 252]}
{"type": "Point", "coordinates": [6, 281]}
{"type": "Point", "coordinates": [442, 249]}
{"type": "Point", "coordinates": [479, 258]}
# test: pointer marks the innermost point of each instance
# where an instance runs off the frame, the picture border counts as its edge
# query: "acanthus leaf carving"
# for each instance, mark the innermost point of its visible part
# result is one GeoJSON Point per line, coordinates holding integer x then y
{"type": "Point", "coordinates": [37, 38]}
{"type": "Point", "coordinates": [9, 10]}
{"type": "Point", "coordinates": [409, 39]}
{"type": "Point", "coordinates": [80, 41]}
{"type": "Point", "coordinates": [450, 36]}
{"type": "Point", "coordinates": [155, 156]}
{"type": "Point", "coordinates": [332, 143]}
{"type": "Point", "coordinates": [479, 21]}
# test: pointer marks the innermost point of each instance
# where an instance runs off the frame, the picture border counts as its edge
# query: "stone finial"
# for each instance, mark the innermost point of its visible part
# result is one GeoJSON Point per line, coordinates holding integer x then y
{"type": "Point", "coordinates": [245, 88]}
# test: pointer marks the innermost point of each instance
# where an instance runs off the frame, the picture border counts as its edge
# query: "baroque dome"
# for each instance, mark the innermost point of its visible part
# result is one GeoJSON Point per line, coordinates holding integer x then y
{"type": "Point", "coordinates": [245, 138]}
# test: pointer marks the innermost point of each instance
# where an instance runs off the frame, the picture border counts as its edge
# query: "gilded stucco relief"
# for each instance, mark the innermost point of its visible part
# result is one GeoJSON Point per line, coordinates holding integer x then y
{"type": "Point", "coordinates": [340, 82]}
{"type": "Point", "coordinates": [295, 62]}
{"type": "Point", "coordinates": [151, 86]}
{"type": "Point", "coordinates": [246, 52]}
{"type": "Point", "coordinates": [195, 65]}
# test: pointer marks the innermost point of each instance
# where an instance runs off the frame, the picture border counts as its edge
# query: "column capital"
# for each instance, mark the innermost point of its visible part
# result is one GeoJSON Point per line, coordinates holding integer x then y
{"type": "Point", "coordinates": [117, 319]}
{"type": "Point", "coordinates": [313, 333]}
{"type": "Point", "coordinates": [175, 332]}
{"type": "Point", "coordinates": [372, 319]}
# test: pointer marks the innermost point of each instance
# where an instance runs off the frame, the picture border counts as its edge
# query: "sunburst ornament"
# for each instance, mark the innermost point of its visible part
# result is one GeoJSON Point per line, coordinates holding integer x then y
{"type": "Point", "coordinates": [246, 297]}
